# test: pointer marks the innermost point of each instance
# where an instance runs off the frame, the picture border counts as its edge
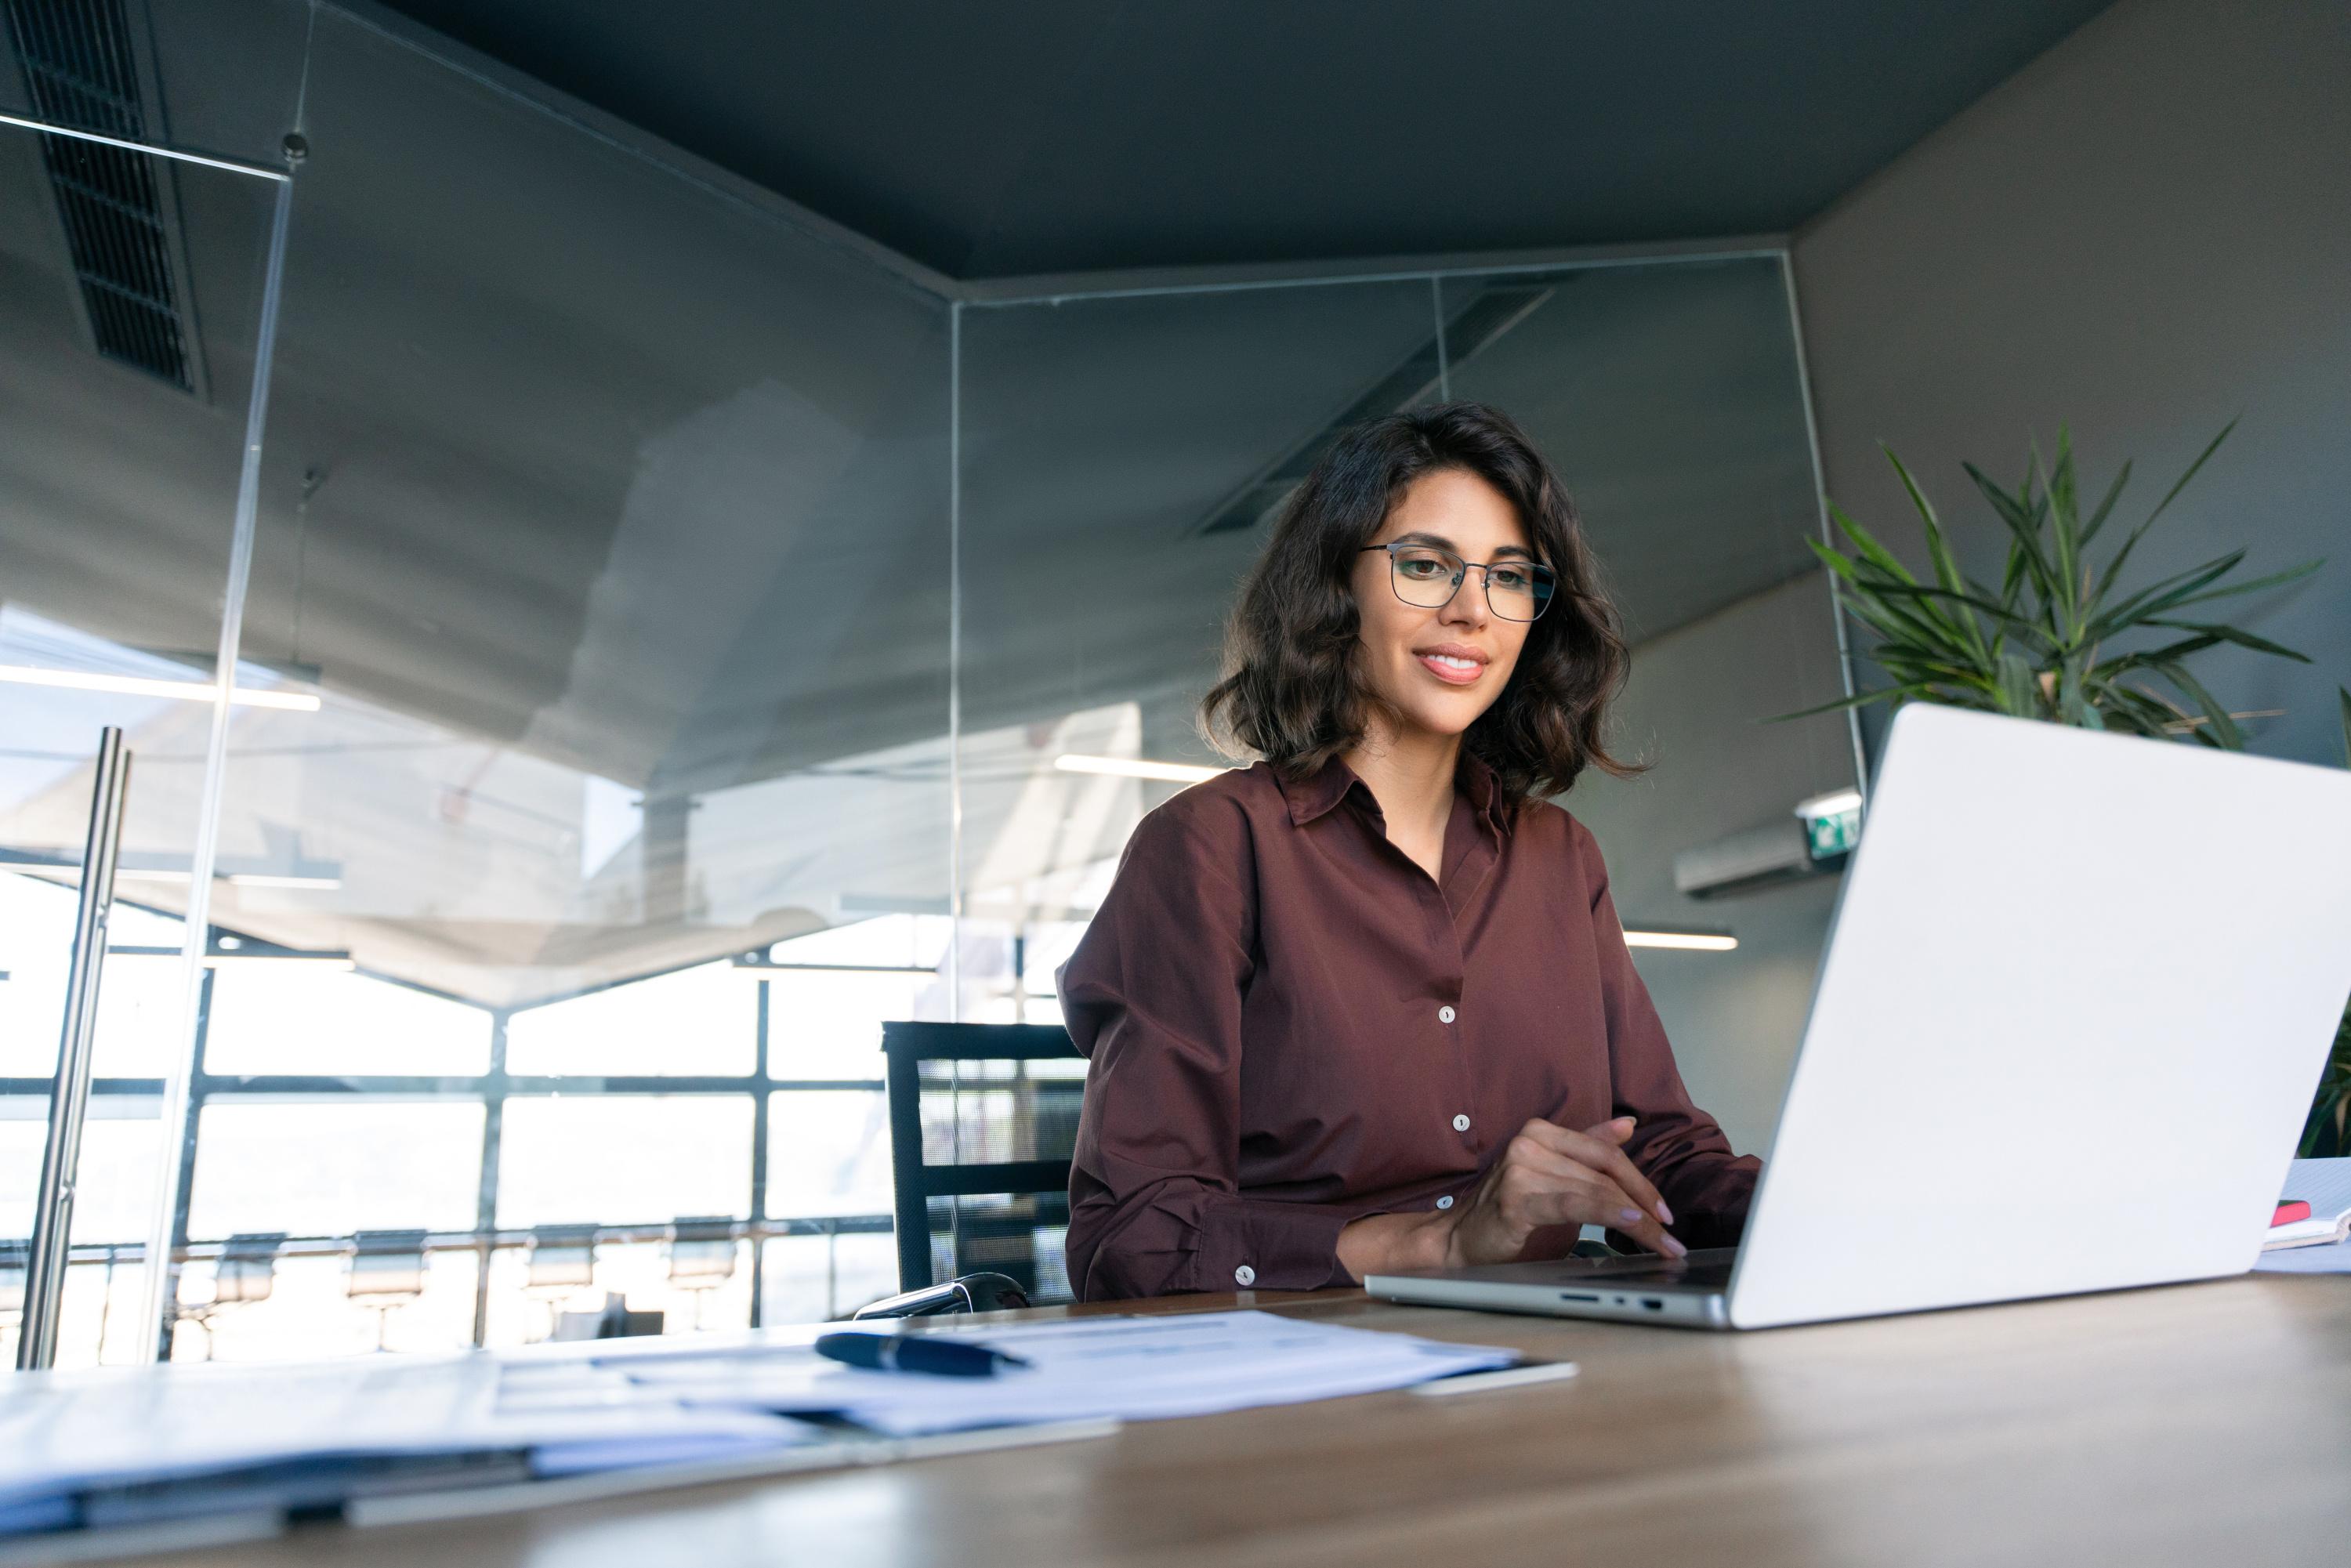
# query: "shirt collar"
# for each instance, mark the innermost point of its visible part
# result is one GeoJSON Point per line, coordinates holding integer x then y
{"type": "Point", "coordinates": [1485, 791]}
{"type": "Point", "coordinates": [1314, 797]}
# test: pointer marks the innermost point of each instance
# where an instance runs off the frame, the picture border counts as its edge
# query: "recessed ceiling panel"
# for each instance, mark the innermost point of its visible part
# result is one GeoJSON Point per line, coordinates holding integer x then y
{"type": "Point", "coordinates": [996, 141]}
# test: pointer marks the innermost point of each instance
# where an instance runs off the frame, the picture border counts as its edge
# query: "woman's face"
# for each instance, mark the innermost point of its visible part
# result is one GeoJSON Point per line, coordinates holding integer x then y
{"type": "Point", "coordinates": [1442, 667]}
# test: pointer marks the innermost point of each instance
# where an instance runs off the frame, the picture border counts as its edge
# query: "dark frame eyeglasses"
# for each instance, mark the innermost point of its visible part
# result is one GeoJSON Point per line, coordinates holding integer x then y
{"type": "Point", "coordinates": [1426, 577]}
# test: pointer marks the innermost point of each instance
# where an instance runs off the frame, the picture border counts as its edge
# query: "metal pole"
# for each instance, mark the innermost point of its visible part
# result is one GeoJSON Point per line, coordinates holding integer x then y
{"type": "Point", "coordinates": [180, 1159]}
{"type": "Point", "coordinates": [486, 1193]}
{"type": "Point", "coordinates": [154, 1306]}
{"type": "Point", "coordinates": [44, 1280]}
{"type": "Point", "coordinates": [762, 1071]}
{"type": "Point", "coordinates": [1443, 354]}
{"type": "Point", "coordinates": [1821, 503]}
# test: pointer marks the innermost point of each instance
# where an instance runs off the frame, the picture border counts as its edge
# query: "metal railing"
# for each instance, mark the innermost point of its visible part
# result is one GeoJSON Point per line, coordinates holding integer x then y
{"type": "Point", "coordinates": [484, 1244]}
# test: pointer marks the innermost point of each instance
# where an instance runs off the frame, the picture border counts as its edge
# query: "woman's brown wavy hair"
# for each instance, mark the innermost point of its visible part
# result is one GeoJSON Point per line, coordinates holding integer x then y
{"type": "Point", "coordinates": [1292, 692]}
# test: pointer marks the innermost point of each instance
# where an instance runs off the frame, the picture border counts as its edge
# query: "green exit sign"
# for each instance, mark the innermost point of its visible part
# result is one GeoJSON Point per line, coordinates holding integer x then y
{"type": "Point", "coordinates": [1832, 823]}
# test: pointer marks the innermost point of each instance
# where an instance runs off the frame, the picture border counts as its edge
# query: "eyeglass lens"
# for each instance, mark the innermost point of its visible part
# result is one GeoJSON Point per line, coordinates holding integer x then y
{"type": "Point", "coordinates": [1428, 577]}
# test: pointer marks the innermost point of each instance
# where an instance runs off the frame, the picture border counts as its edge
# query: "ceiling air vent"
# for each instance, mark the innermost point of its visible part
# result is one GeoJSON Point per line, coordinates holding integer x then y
{"type": "Point", "coordinates": [78, 60]}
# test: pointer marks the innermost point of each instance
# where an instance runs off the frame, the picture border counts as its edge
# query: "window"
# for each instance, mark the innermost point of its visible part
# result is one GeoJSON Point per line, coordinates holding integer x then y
{"type": "Point", "coordinates": [828, 1152]}
{"type": "Point", "coordinates": [331, 1166]}
{"type": "Point", "coordinates": [141, 1001]}
{"type": "Point", "coordinates": [116, 1177]}
{"type": "Point", "coordinates": [822, 1025]}
{"type": "Point", "coordinates": [36, 918]}
{"type": "Point", "coordinates": [700, 1021]}
{"type": "Point", "coordinates": [305, 1019]}
{"type": "Point", "coordinates": [620, 1159]}
{"type": "Point", "coordinates": [310, 1314]}
{"type": "Point", "coordinates": [808, 1279]}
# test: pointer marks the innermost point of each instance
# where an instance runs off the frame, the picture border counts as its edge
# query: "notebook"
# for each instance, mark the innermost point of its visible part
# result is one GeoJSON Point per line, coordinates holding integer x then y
{"type": "Point", "coordinates": [2325, 1186]}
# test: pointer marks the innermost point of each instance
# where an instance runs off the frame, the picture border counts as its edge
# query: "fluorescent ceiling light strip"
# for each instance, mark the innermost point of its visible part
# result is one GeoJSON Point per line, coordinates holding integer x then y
{"type": "Point", "coordinates": [234, 879]}
{"type": "Point", "coordinates": [144, 687]}
{"type": "Point", "coordinates": [765, 971]}
{"type": "Point", "coordinates": [221, 960]}
{"type": "Point", "coordinates": [1687, 941]}
{"type": "Point", "coordinates": [1135, 768]}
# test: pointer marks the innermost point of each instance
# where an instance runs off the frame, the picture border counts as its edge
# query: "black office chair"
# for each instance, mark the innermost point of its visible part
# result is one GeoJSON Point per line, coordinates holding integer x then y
{"type": "Point", "coordinates": [983, 1119]}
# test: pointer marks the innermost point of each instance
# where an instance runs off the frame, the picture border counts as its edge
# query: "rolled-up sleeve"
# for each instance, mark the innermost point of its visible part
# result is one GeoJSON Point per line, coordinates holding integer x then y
{"type": "Point", "coordinates": [1153, 994]}
{"type": "Point", "coordinates": [1676, 1145]}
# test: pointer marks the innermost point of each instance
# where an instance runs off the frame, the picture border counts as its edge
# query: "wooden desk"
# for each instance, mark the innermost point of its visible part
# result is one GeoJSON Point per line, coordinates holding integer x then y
{"type": "Point", "coordinates": [2206, 1425]}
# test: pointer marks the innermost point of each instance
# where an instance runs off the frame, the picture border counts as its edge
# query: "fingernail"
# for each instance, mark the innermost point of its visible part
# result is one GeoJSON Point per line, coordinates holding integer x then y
{"type": "Point", "coordinates": [1628, 1216]}
{"type": "Point", "coordinates": [1675, 1249]}
{"type": "Point", "coordinates": [1664, 1214]}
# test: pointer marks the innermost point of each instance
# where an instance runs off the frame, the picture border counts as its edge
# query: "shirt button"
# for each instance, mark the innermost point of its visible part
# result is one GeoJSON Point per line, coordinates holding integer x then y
{"type": "Point", "coordinates": [1445, 1015]}
{"type": "Point", "coordinates": [1445, 1202]}
{"type": "Point", "coordinates": [1460, 1124]}
{"type": "Point", "coordinates": [1244, 1276]}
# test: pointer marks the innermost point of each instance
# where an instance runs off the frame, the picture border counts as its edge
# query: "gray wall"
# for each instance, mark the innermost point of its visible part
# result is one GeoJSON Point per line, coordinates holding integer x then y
{"type": "Point", "coordinates": [1696, 709]}
{"type": "Point", "coordinates": [2143, 233]}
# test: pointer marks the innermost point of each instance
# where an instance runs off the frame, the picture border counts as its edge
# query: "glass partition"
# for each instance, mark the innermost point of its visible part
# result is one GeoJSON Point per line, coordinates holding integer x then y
{"type": "Point", "coordinates": [1120, 459]}
{"type": "Point", "coordinates": [606, 517]}
{"type": "Point", "coordinates": [1669, 396]}
{"type": "Point", "coordinates": [131, 292]}
{"type": "Point", "coordinates": [678, 640]}
{"type": "Point", "coordinates": [1123, 455]}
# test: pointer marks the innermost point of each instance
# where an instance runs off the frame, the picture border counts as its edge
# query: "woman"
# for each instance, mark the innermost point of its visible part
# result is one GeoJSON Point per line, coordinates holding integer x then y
{"type": "Point", "coordinates": [1365, 1005]}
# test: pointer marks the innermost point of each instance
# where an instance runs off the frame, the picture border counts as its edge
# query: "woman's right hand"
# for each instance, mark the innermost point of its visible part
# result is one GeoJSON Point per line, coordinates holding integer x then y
{"type": "Point", "coordinates": [1548, 1176]}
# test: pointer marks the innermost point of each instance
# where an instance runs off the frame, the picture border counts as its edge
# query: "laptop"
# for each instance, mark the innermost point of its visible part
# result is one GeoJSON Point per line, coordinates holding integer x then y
{"type": "Point", "coordinates": [2075, 1001]}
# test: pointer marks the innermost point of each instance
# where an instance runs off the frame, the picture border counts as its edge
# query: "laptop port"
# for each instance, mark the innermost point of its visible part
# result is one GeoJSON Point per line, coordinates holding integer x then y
{"type": "Point", "coordinates": [1578, 1296]}
{"type": "Point", "coordinates": [1653, 1303]}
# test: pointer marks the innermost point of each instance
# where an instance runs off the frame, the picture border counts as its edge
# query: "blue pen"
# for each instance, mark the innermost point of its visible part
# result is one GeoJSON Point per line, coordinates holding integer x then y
{"type": "Point", "coordinates": [915, 1352]}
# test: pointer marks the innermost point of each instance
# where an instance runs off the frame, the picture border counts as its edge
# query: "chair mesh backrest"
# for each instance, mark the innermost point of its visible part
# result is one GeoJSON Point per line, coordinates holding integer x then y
{"type": "Point", "coordinates": [983, 1119]}
{"type": "Point", "coordinates": [249, 1268]}
{"type": "Point", "coordinates": [387, 1264]}
{"type": "Point", "coordinates": [562, 1258]}
{"type": "Point", "coordinates": [979, 1111]}
{"type": "Point", "coordinates": [702, 1250]}
{"type": "Point", "coordinates": [15, 1263]}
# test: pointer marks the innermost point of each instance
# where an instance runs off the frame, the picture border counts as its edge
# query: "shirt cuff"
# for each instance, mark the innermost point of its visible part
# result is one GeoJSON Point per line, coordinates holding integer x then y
{"type": "Point", "coordinates": [1253, 1244]}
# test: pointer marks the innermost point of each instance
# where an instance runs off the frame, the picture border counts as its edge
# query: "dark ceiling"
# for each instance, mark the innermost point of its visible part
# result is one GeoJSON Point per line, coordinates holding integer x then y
{"type": "Point", "coordinates": [1068, 135]}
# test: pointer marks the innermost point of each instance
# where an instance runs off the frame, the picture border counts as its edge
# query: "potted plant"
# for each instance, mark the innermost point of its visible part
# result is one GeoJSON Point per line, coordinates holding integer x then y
{"type": "Point", "coordinates": [2041, 644]}
{"type": "Point", "coordinates": [2327, 1133]}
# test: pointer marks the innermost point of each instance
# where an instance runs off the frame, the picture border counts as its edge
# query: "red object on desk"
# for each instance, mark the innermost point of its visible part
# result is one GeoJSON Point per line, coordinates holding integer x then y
{"type": "Point", "coordinates": [2287, 1213]}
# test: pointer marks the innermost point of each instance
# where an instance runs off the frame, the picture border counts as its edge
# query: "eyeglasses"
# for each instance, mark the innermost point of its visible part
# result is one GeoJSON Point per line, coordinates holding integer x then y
{"type": "Point", "coordinates": [1427, 578]}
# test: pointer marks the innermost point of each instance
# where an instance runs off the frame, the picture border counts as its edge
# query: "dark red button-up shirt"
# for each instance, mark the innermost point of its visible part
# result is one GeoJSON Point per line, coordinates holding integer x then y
{"type": "Point", "coordinates": [1294, 1027]}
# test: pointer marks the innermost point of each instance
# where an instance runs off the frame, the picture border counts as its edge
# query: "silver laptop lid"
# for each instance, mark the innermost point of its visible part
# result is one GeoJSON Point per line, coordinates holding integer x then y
{"type": "Point", "coordinates": [2076, 1004]}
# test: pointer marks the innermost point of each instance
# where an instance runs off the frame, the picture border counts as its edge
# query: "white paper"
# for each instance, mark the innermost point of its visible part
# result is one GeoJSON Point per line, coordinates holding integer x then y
{"type": "Point", "coordinates": [1131, 1368]}
{"type": "Point", "coordinates": [64, 1434]}
{"type": "Point", "coordinates": [620, 1404]}
{"type": "Point", "coordinates": [2334, 1258]}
